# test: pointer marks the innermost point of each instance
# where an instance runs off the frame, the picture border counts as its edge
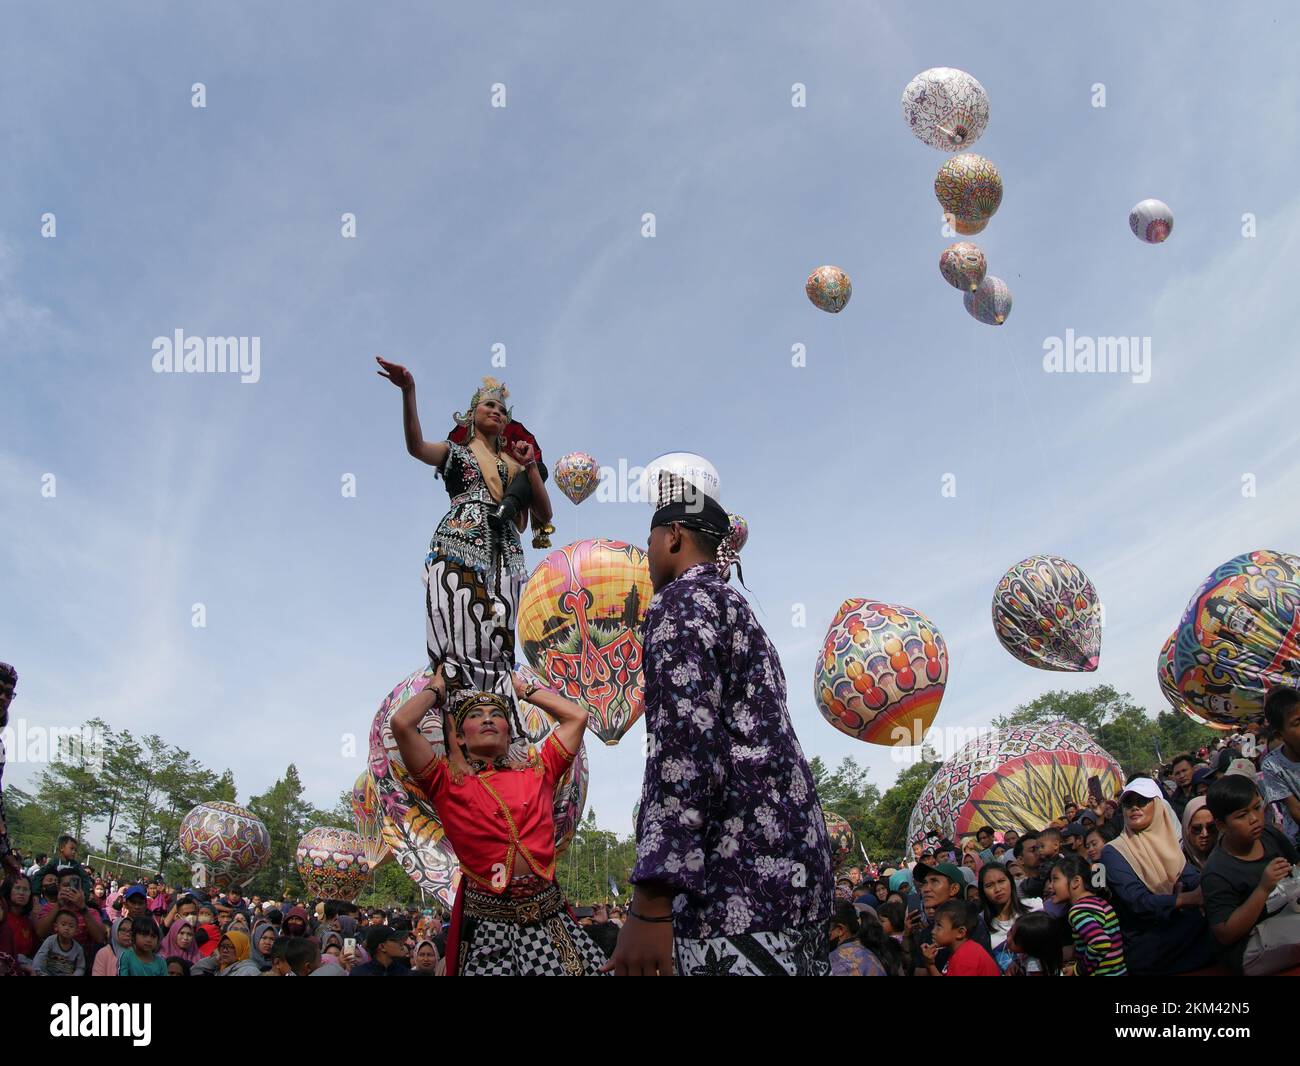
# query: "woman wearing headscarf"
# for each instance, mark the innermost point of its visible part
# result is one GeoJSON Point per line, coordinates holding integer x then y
{"type": "Point", "coordinates": [261, 945]}
{"type": "Point", "coordinates": [425, 960]}
{"type": "Point", "coordinates": [233, 952]}
{"type": "Point", "coordinates": [1200, 834]}
{"type": "Point", "coordinates": [179, 943]}
{"type": "Point", "coordinates": [119, 940]}
{"type": "Point", "coordinates": [1155, 890]}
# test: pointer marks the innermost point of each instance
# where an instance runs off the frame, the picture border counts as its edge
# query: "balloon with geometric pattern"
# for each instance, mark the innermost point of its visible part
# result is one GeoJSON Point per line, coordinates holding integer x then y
{"type": "Point", "coordinates": [1018, 778]}
{"type": "Point", "coordinates": [230, 842]}
{"type": "Point", "coordinates": [969, 187]}
{"type": "Point", "coordinates": [369, 819]}
{"type": "Point", "coordinates": [332, 863]}
{"type": "Point", "coordinates": [840, 834]}
{"type": "Point", "coordinates": [963, 265]}
{"type": "Point", "coordinates": [945, 108]}
{"type": "Point", "coordinates": [1239, 637]}
{"type": "Point", "coordinates": [1046, 614]}
{"type": "Point", "coordinates": [738, 536]}
{"type": "Point", "coordinates": [990, 302]}
{"type": "Point", "coordinates": [881, 673]}
{"type": "Point", "coordinates": [829, 289]}
{"type": "Point", "coordinates": [966, 229]}
{"type": "Point", "coordinates": [1151, 221]}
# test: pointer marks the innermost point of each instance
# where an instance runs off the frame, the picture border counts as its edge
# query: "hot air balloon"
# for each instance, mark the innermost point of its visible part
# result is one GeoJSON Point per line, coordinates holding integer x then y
{"type": "Point", "coordinates": [739, 535]}
{"type": "Point", "coordinates": [946, 108]}
{"type": "Point", "coordinates": [829, 288]}
{"type": "Point", "coordinates": [969, 187]}
{"type": "Point", "coordinates": [840, 834]}
{"type": "Point", "coordinates": [963, 265]}
{"type": "Point", "coordinates": [1045, 613]}
{"type": "Point", "coordinates": [369, 819]}
{"type": "Point", "coordinates": [966, 229]}
{"type": "Point", "coordinates": [1240, 637]}
{"type": "Point", "coordinates": [1018, 778]}
{"type": "Point", "coordinates": [332, 863]}
{"type": "Point", "coordinates": [1165, 676]}
{"type": "Point", "coordinates": [990, 303]}
{"type": "Point", "coordinates": [412, 827]}
{"type": "Point", "coordinates": [580, 624]}
{"type": "Point", "coordinates": [577, 474]}
{"type": "Point", "coordinates": [881, 672]}
{"type": "Point", "coordinates": [230, 842]}
{"type": "Point", "coordinates": [1151, 221]}
{"type": "Point", "coordinates": [666, 476]}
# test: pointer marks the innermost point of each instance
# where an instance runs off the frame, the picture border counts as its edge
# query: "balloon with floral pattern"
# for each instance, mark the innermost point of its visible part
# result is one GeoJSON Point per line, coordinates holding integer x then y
{"type": "Point", "coordinates": [840, 834]}
{"type": "Point", "coordinates": [332, 863]}
{"type": "Point", "coordinates": [829, 289]}
{"type": "Point", "coordinates": [231, 843]}
{"type": "Point", "coordinates": [577, 475]}
{"type": "Point", "coordinates": [946, 108]}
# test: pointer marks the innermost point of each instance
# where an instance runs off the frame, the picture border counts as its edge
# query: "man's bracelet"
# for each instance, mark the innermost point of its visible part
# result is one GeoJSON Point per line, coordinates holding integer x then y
{"type": "Point", "coordinates": [652, 921]}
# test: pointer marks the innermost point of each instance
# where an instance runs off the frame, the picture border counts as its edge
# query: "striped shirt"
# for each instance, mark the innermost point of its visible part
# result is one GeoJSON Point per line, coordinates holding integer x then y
{"type": "Point", "coordinates": [1098, 943]}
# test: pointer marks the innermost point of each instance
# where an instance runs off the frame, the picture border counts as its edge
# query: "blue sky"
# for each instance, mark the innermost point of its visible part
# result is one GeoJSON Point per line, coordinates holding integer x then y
{"type": "Point", "coordinates": [522, 226]}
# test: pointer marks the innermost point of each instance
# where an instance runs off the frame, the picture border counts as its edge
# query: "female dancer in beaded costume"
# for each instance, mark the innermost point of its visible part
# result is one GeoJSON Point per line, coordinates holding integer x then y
{"type": "Point", "coordinates": [474, 571]}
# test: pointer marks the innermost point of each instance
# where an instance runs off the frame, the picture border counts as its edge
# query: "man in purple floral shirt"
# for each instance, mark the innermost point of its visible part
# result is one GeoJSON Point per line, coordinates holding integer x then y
{"type": "Point", "coordinates": [733, 871]}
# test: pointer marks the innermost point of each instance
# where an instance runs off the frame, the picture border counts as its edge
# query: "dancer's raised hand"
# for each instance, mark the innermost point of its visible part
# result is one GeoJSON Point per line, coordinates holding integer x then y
{"type": "Point", "coordinates": [395, 372]}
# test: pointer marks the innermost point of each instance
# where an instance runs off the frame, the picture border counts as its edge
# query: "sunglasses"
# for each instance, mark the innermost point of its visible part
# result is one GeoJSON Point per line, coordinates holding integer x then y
{"type": "Point", "coordinates": [1132, 799]}
{"type": "Point", "coordinates": [1204, 830]}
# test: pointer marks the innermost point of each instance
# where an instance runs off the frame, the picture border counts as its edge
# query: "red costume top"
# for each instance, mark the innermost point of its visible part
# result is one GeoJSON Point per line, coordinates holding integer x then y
{"type": "Point", "coordinates": [497, 814]}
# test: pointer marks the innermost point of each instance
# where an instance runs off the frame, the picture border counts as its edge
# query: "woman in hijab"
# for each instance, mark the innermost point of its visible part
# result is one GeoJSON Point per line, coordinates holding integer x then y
{"type": "Point", "coordinates": [179, 943]}
{"type": "Point", "coordinates": [119, 940]}
{"type": "Point", "coordinates": [261, 945]}
{"type": "Point", "coordinates": [1155, 890]}
{"type": "Point", "coordinates": [1200, 834]}
{"type": "Point", "coordinates": [233, 951]}
{"type": "Point", "coordinates": [426, 960]}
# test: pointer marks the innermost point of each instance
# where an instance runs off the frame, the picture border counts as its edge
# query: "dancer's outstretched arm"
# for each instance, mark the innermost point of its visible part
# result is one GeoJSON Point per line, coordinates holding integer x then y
{"type": "Point", "coordinates": [432, 452]}
{"type": "Point", "coordinates": [572, 717]}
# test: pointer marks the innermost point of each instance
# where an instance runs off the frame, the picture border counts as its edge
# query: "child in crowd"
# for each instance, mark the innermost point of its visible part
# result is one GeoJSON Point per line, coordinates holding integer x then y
{"type": "Point", "coordinates": [1258, 930]}
{"type": "Point", "coordinates": [143, 959]}
{"type": "Point", "coordinates": [1098, 942]}
{"type": "Point", "coordinates": [65, 862]}
{"type": "Point", "coordinates": [61, 955]}
{"type": "Point", "coordinates": [1035, 943]}
{"type": "Point", "coordinates": [178, 967]}
{"type": "Point", "coordinates": [953, 923]}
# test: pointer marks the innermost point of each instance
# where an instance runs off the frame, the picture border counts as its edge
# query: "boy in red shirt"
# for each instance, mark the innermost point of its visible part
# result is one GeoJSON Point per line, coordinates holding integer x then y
{"type": "Point", "coordinates": [952, 924]}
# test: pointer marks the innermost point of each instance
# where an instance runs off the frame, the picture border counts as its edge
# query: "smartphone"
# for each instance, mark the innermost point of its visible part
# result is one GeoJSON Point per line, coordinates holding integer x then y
{"type": "Point", "coordinates": [349, 945]}
{"type": "Point", "coordinates": [1094, 789]}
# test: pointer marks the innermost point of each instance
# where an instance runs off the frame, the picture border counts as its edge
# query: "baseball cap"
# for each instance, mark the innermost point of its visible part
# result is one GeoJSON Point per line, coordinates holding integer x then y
{"type": "Point", "coordinates": [134, 890]}
{"type": "Point", "coordinates": [1244, 767]}
{"type": "Point", "coordinates": [1074, 829]}
{"type": "Point", "coordinates": [944, 869]}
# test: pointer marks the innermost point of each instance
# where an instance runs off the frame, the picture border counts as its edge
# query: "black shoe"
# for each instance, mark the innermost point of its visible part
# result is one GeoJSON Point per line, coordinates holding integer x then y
{"type": "Point", "coordinates": [504, 513]}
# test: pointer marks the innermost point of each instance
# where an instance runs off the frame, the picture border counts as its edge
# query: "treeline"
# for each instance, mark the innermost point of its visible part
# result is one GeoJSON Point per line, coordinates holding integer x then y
{"type": "Point", "coordinates": [124, 797]}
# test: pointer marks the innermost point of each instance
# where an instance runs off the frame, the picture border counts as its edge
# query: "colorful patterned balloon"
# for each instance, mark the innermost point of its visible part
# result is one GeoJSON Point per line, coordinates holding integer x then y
{"type": "Point", "coordinates": [840, 834]}
{"type": "Point", "coordinates": [963, 265]}
{"type": "Point", "coordinates": [739, 535]}
{"type": "Point", "coordinates": [946, 108]}
{"type": "Point", "coordinates": [1165, 676]}
{"type": "Point", "coordinates": [332, 863]}
{"type": "Point", "coordinates": [369, 819]}
{"type": "Point", "coordinates": [829, 288]}
{"type": "Point", "coordinates": [1045, 613]}
{"type": "Point", "coordinates": [1240, 637]}
{"type": "Point", "coordinates": [577, 474]}
{"type": "Point", "coordinates": [1151, 221]}
{"type": "Point", "coordinates": [1020, 778]}
{"type": "Point", "coordinates": [967, 229]}
{"type": "Point", "coordinates": [881, 672]}
{"type": "Point", "coordinates": [990, 303]}
{"type": "Point", "coordinates": [230, 842]}
{"type": "Point", "coordinates": [412, 827]}
{"type": "Point", "coordinates": [580, 624]}
{"type": "Point", "coordinates": [969, 187]}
